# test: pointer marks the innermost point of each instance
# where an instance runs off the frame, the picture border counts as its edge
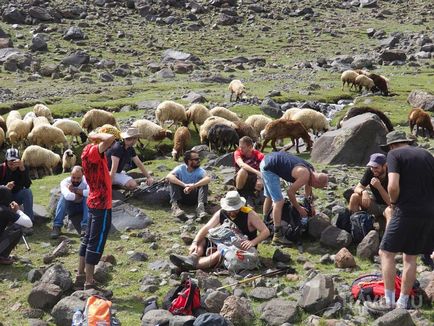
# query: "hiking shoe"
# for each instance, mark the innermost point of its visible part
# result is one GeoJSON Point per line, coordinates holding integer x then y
{"type": "Point", "coordinates": [184, 262]}
{"type": "Point", "coordinates": [200, 211]}
{"type": "Point", "coordinates": [6, 261]}
{"type": "Point", "coordinates": [55, 233]}
{"type": "Point", "coordinates": [379, 308]}
{"type": "Point", "coordinates": [178, 212]}
{"type": "Point", "coordinates": [80, 279]}
{"type": "Point", "coordinates": [280, 239]}
{"type": "Point", "coordinates": [27, 231]}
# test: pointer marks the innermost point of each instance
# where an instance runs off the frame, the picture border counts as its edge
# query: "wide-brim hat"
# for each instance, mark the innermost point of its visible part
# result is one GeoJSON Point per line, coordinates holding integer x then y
{"type": "Point", "coordinates": [130, 133]}
{"type": "Point", "coordinates": [232, 201]}
{"type": "Point", "coordinates": [394, 137]}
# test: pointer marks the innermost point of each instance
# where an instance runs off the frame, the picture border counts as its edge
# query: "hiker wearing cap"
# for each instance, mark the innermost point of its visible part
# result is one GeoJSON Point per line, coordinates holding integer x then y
{"type": "Point", "coordinates": [376, 178]}
{"type": "Point", "coordinates": [233, 207]}
{"type": "Point", "coordinates": [99, 202]}
{"type": "Point", "coordinates": [9, 236]}
{"type": "Point", "coordinates": [74, 191]}
{"type": "Point", "coordinates": [299, 173]}
{"type": "Point", "coordinates": [188, 185]}
{"type": "Point", "coordinates": [15, 175]}
{"type": "Point", "coordinates": [411, 228]}
{"type": "Point", "coordinates": [120, 155]}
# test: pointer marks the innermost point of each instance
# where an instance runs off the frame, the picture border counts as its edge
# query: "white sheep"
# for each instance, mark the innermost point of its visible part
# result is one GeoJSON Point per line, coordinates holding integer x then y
{"type": "Point", "coordinates": [39, 121]}
{"type": "Point", "coordinates": [170, 111]}
{"type": "Point", "coordinates": [151, 131]}
{"type": "Point", "coordinates": [2, 137]}
{"type": "Point", "coordinates": [312, 119]}
{"type": "Point", "coordinates": [197, 113]}
{"type": "Point", "coordinates": [38, 157]}
{"type": "Point", "coordinates": [96, 118]}
{"type": "Point", "coordinates": [68, 160]}
{"type": "Point", "coordinates": [222, 112]}
{"type": "Point", "coordinates": [349, 77]}
{"type": "Point", "coordinates": [364, 81]}
{"type": "Point", "coordinates": [48, 136]}
{"type": "Point", "coordinates": [258, 122]}
{"type": "Point", "coordinates": [288, 114]}
{"type": "Point", "coordinates": [180, 141]}
{"type": "Point", "coordinates": [208, 123]}
{"type": "Point", "coordinates": [3, 124]}
{"type": "Point", "coordinates": [236, 87]}
{"type": "Point", "coordinates": [18, 131]}
{"type": "Point", "coordinates": [71, 128]}
{"type": "Point", "coordinates": [13, 115]}
{"type": "Point", "coordinates": [29, 115]}
{"type": "Point", "coordinates": [43, 111]}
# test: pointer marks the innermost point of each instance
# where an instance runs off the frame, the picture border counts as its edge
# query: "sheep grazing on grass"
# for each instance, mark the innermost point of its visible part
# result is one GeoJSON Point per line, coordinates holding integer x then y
{"type": "Point", "coordinates": [284, 128]}
{"type": "Point", "coordinates": [170, 111]}
{"type": "Point", "coordinates": [222, 138]}
{"type": "Point", "coordinates": [222, 112]}
{"type": "Point", "coordinates": [3, 124]}
{"type": "Point", "coordinates": [96, 118]}
{"type": "Point", "coordinates": [236, 87]}
{"type": "Point", "coordinates": [289, 114]}
{"type": "Point", "coordinates": [43, 111]}
{"type": "Point", "coordinates": [421, 119]}
{"type": "Point", "coordinates": [48, 136]}
{"type": "Point", "coordinates": [71, 128]}
{"type": "Point", "coordinates": [312, 119]}
{"type": "Point", "coordinates": [258, 122]}
{"type": "Point", "coordinates": [244, 129]}
{"type": "Point", "coordinates": [366, 82]}
{"type": "Point", "coordinates": [13, 115]}
{"type": "Point", "coordinates": [349, 77]}
{"type": "Point", "coordinates": [68, 160]}
{"type": "Point", "coordinates": [181, 139]}
{"type": "Point", "coordinates": [380, 83]}
{"type": "Point", "coordinates": [38, 157]}
{"type": "Point", "coordinates": [39, 121]}
{"type": "Point", "coordinates": [151, 131]}
{"type": "Point", "coordinates": [18, 131]}
{"type": "Point", "coordinates": [197, 113]}
{"type": "Point", "coordinates": [208, 123]}
{"type": "Point", "coordinates": [355, 111]}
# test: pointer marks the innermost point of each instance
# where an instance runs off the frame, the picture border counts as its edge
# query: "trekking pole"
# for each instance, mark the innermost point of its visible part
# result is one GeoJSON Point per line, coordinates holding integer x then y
{"type": "Point", "coordinates": [26, 243]}
{"type": "Point", "coordinates": [249, 279]}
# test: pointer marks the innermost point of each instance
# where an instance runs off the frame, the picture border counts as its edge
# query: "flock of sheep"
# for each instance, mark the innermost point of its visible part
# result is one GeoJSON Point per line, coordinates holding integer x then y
{"type": "Point", "coordinates": [219, 127]}
{"type": "Point", "coordinates": [364, 79]}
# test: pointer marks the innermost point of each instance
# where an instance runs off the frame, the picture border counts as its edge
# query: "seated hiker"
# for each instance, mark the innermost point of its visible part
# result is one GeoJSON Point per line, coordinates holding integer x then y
{"type": "Point", "coordinates": [232, 208]}
{"type": "Point", "coordinates": [74, 191]}
{"type": "Point", "coordinates": [248, 178]}
{"type": "Point", "coordinates": [120, 155]}
{"type": "Point", "coordinates": [376, 178]}
{"type": "Point", "coordinates": [188, 185]}
{"type": "Point", "coordinates": [9, 236]}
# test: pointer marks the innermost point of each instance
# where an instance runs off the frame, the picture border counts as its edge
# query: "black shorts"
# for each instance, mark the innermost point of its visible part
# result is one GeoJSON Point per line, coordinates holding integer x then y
{"type": "Point", "coordinates": [411, 236]}
{"type": "Point", "coordinates": [250, 182]}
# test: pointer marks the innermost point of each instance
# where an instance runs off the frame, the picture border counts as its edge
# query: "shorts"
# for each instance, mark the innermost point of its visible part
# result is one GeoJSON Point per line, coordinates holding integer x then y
{"type": "Point", "coordinates": [409, 235]}
{"type": "Point", "coordinates": [250, 182]}
{"type": "Point", "coordinates": [271, 184]}
{"type": "Point", "coordinates": [121, 179]}
{"type": "Point", "coordinates": [98, 227]}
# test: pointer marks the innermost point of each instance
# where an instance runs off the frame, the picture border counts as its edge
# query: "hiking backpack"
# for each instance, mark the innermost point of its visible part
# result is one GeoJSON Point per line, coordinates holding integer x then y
{"type": "Point", "coordinates": [185, 299]}
{"type": "Point", "coordinates": [357, 224]}
{"type": "Point", "coordinates": [98, 311]}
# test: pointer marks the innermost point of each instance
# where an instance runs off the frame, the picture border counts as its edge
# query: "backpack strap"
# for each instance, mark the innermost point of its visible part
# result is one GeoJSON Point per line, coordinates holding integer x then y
{"type": "Point", "coordinates": [191, 293]}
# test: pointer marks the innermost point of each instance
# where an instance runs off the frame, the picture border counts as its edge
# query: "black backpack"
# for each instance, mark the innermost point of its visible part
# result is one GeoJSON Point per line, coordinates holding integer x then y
{"type": "Point", "coordinates": [357, 224]}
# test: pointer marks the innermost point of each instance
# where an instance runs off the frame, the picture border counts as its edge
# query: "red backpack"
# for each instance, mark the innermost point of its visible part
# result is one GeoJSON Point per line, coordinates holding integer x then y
{"type": "Point", "coordinates": [185, 299]}
{"type": "Point", "coordinates": [371, 287]}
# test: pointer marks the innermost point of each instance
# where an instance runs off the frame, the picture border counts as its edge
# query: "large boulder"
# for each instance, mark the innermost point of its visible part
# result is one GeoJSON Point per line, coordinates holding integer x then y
{"type": "Point", "coordinates": [393, 55]}
{"type": "Point", "coordinates": [63, 310]}
{"type": "Point", "coordinates": [279, 311]}
{"type": "Point", "coordinates": [40, 13]}
{"type": "Point", "coordinates": [76, 59]}
{"type": "Point", "coordinates": [128, 217]}
{"type": "Point", "coordinates": [369, 246]}
{"type": "Point", "coordinates": [335, 238]}
{"type": "Point", "coordinates": [13, 15]}
{"type": "Point", "coordinates": [44, 296]}
{"type": "Point", "coordinates": [238, 311]}
{"type": "Point", "coordinates": [271, 108]}
{"type": "Point", "coordinates": [352, 144]}
{"type": "Point", "coordinates": [156, 317]}
{"type": "Point", "coordinates": [344, 259]}
{"type": "Point", "coordinates": [58, 275]}
{"type": "Point", "coordinates": [21, 59]}
{"type": "Point", "coordinates": [398, 316]}
{"type": "Point", "coordinates": [317, 294]}
{"type": "Point", "coordinates": [316, 225]}
{"type": "Point", "coordinates": [421, 99]}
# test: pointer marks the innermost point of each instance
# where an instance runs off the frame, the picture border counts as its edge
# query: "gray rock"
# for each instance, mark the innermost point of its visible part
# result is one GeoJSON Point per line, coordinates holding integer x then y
{"type": "Point", "coordinates": [417, 99]}
{"type": "Point", "coordinates": [40, 13]}
{"type": "Point", "coordinates": [279, 311]}
{"type": "Point", "coordinates": [182, 321]}
{"type": "Point", "coordinates": [102, 272]}
{"type": "Point", "coordinates": [238, 311]}
{"type": "Point", "coordinates": [214, 301]}
{"type": "Point", "coordinates": [263, 293]}
{"type": "Point", "coordinates": [206, 282]}
{"type": "Point", "coordinates": [139, 256]}
{"type": "Point", "coordinates": [165, 73]}
{"type": "Point", "coordinates": [39, 42]}
{"type": "Point", "coordinates": [34, 275]}
{"type": "Point", "coordinates": [335, 238]}
{"type": "Point", "coordinates": [6, 42]}
{"type": "Point", "coordinates": [390, 42]}
{"type": "Point", "coordinates": [369, 246]}
{"type": "Point", "coordinates": [37, 322]}
{"type": "Point", "coordinates": [397, 316]}
{"type": "Point", "coordinates": [63, 311]}
{"type": "Point", "coordinates": [316, 294]}
{"type": "Point", "coordinates": [352, 144]}
{"type": "Point", "coordinates": [128, 217]}
{"type": "Point", "coordinates": [59, 276]}
{"type": "Point", "coordinates": [271, 108]}
{"type": "Point", "coordinates": [211, 319]}
{"type": "Point", "coordinates": [13, 15]}
{"type": "Point", "coordinates": [227, 20]}
{"type": "Point", "coordinates": [174, 55]}
{"type": "Point", "coordinates": [427, 48]}
{"type": "Point", "coordinates": [224, 160]}
{"type": "Point", "coordinates": [279, 256]}
{"type": "Point", "coordinates": [316, 225]}
{"type": "Point", "coordinates": [148, 105]}
{"type": "Point", "coordinates": [76, 59]}
{"type": "Point", "coordinates": [368, 3]}
{"type": "Point", "coordinates": [106, 77]}
{"type": "Point", "coordinates": [194, 97]}
{"type": "Point", "coordinates": [156, 317]}
{"type": "Point", "coordinates": [21, 59]}
{"type": "Point", "coordinates": [74, 33]}
{"type": "Point", "coordinates": [159, 197]}
{"type": "Point", "coordinates": [393, 55]}
{"type": "Point", "coordinates": [160, 265]}
{"type": "Point", "coordinates": [44, 296]}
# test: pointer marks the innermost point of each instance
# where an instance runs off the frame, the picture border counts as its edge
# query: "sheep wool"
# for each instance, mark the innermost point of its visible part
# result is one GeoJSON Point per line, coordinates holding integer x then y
{"type": "Point", "coordinates": [170, 111]}
{"type": "Point", "coordinates": [151, 131]}
{"type": "Point", "coordinates": [36, 157]}
{"type": "Point", "coordinates": [197, 113]}
{"type": "Point", "coordinates": [349, 77]}
{"type": "Point", "coordinates": [68, 160]}
{"type": "Point", "coordinates": [421, 119]}
{"type": "Point", "coordinates": [236, 87]}
{"type": "Point", "coordinates": [13, 115]}
{"type": "Point", "coordinates": [288, 114]}
{"type": "Point", "coordinates": [3, 124]}
{"type": "Point", "coordinates": [48, 136]}
{"type": "Point", "coordinates": [312, 119]}
{"type": "Point", "coordinates": [208, 123]}
{"type": "Point", "coordinates": [18, 131]}
{"type": "Point", "coordinates": [180, 141]}
{"type": "Point", "coordinates": [222, 112]}
{"type": "Point", "coordinates": [42, 111]}
{"type": "Point", "coordinates": [96, 118]}
{"type": "Point", "coordinates": [258, 122]}
{"type": "Point", "coordinates": [366, 82]}
{"type": "Point", "coordinates": [71, 128]}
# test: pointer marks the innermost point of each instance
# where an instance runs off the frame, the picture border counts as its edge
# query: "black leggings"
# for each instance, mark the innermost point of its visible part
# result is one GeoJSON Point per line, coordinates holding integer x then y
{"type": "Point", "coordinates": [9, 240]}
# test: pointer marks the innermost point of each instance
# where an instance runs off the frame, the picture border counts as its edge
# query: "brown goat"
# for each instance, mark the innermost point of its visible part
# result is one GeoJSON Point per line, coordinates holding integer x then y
{"type": "Point", "coordinates": [283, 128]}
{"type": "Point", "coordinates": [420, 118]}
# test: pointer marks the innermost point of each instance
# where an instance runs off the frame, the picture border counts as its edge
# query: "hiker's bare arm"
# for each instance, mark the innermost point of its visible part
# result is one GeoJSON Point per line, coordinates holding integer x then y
{"type": "Point", "coordinates": [213, 222]}
{"type": "Point", "coordinates": [247, 167]}
{"type": "Point", "coordinates": [141, 167]}
{"type": "Point", "coordinates": [359, 189]}
{"type": "Point", "coordinates": [376, 183]}
{"type": "Point", "coordinates": [256, 222]}
{"type": "Point", "coordinates": [393, 187]}
{"type": "Point", "coordinates": [301, 176]}
{"type": "Point", "coordinates": [115, 164]}
{"type": "Point", "coordinates": [106, 140]}
{"type": "Point", "coordinates": [173, 179]}
{"type": "Point", "coordinates": [202, 182]}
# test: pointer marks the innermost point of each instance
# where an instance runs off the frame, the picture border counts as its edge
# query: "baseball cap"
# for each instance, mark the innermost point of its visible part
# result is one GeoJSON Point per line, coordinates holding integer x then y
{"type": "Point", "coordinates": [376, 159]}
{"type": "Point", "coordinates": [12, 154]}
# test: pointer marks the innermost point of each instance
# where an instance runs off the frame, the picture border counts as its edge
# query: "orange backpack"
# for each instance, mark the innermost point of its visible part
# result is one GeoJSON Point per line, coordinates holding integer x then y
{"type": "Point", "coordinates": [97, 311]}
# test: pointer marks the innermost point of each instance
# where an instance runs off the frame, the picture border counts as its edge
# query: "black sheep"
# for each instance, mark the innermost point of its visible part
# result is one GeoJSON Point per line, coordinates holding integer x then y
{"type": "Point", "coordinates": [222, 137]}
{"type": "Point", "coordinates": [380, 82]}
{"type": "Point", "coordinates": [361, 110]}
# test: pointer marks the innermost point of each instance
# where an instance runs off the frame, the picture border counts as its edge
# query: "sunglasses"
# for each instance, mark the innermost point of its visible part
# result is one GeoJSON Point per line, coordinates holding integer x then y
{"type": "Point", "coordinates": [195, 159]}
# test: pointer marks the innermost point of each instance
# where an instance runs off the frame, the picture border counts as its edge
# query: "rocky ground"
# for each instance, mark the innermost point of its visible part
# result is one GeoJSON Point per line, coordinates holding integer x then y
{"type": "Point", "coordinates": [127, 56]}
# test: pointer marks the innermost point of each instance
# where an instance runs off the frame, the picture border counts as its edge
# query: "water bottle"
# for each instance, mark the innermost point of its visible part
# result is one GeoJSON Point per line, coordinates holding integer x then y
{"type": "Point", "coordinates": [77, 318]}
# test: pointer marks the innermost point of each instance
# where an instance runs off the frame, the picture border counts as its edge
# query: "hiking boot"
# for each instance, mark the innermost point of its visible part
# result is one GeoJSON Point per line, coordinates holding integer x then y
{"type": "Point", "coordinates": [178, 212]}
{"type": "Point", "coordinates": [200, 211]}
{"type": "Point", "coordinates": [184, 262]}
{"type": "Point", "coordinates": [55, 233]}
{"type": "Point", "coordinates": [379, 308]}
{"type": "Point", "coordinates": [280, 239]}
{"type": "Point", "coordinates": [6, 261]}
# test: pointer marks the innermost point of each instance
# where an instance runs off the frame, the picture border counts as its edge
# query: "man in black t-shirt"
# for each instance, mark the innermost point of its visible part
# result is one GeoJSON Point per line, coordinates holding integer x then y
{"type": "Point", "coordinates": [376, 178]}
{"type": "Point", "coordinates": [120, 155]}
